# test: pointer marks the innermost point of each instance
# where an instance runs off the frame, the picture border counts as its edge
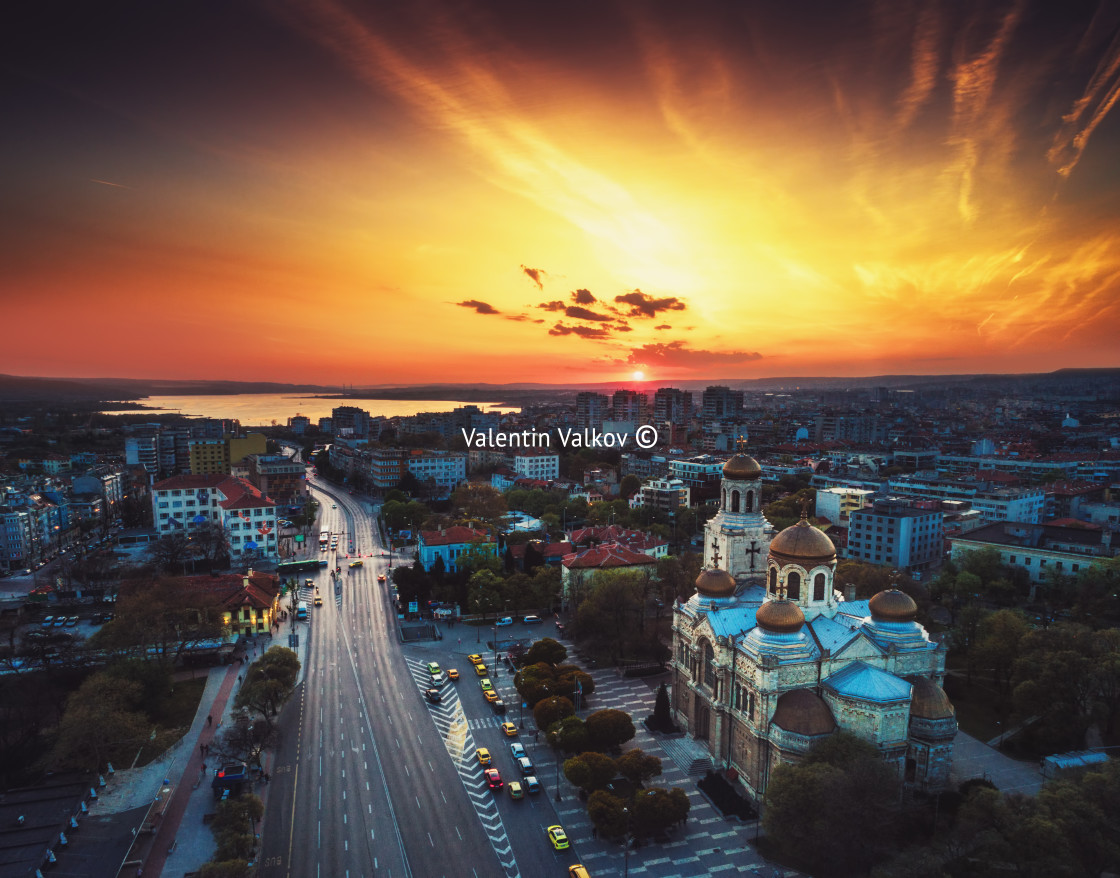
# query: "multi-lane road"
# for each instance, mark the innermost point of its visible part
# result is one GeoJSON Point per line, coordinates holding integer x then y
{"type": "Point", "coordinates": [369, 778]}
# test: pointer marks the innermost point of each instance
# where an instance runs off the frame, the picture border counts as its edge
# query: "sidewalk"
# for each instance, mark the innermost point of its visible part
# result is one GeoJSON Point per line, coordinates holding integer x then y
{"type": "Point", "coordinates": [185, 842]}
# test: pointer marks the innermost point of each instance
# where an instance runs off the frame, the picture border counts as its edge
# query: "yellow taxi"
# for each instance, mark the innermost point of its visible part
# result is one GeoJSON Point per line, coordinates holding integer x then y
{"type": "Point", "coordinates": [491, 695]}
{"type": "Point", "coordinates": [380, 577]}
{"type": "Point", "coordinates": [483, 756]}
{"type": "Point", "coordinates": [453, 674]}
{"type": "Point", "coordinates": [480, 669]}
{"type": "Point", "coordinates": [357, 563]}
{"type": "Point", "coordinates": [474, 658]}
{"type": "Point", "coordinates": [510, 729]}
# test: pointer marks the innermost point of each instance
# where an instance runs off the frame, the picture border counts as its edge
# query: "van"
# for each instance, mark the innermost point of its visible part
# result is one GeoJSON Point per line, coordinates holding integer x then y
{"type": "Point", "coordinates": [525, 764]}
{"type": "Point", "coordinates": [301, 610]}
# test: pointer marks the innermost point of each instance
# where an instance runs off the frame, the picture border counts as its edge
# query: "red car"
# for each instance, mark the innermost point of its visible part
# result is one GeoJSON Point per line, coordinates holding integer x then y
{"type": "Point", "coordinates": [493, 778]}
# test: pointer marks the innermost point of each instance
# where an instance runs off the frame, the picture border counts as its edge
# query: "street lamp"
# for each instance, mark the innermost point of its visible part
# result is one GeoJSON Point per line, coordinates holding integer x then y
{"type": "Point", "coordinates": [626, 845]}
{"type": "Point", "coordinates": [496, 668]}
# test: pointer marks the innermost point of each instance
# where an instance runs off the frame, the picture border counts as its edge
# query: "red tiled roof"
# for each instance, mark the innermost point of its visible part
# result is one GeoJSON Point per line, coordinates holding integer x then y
{"type": "Point", "coordinates": [229, 590]}
{"type": "Point", "coordinates": [188, 482]}
{"type": "Point", "coordinates": [605, 557]}
{"type": "Point", "coordinates": [453, 535]}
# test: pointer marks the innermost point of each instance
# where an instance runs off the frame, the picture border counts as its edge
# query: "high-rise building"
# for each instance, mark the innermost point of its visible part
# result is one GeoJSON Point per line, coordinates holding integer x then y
{"type": "Point", "coordinates": [591, 410]}
{"type": "Point", "coordinates": [721, 404]}
{"type": "Point", "coordinates": [631, 406]}
{"type": "Point", "coordinates": [672, 406]}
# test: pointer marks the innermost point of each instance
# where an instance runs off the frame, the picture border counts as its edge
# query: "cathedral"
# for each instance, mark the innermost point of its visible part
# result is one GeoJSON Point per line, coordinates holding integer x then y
{"type": "Point", "coordinates": [768, 658]}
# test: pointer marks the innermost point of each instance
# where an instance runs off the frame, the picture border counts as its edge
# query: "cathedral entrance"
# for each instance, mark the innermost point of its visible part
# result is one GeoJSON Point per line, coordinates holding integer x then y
{"type": "Point", "coordinates": [703, 719]}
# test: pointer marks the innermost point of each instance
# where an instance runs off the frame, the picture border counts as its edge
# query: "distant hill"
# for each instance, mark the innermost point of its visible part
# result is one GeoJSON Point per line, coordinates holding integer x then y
{"type": "Point", "coordinates": [31, 389]}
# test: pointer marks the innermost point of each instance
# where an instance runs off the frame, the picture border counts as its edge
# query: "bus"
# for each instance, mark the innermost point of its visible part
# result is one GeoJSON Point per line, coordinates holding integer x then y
{"type": "Point", "coordinates": [324, 540]}
{"type": "Point", "coordinates": [285, 567]}
{"type": "Point", "coordinates": [301, 610]}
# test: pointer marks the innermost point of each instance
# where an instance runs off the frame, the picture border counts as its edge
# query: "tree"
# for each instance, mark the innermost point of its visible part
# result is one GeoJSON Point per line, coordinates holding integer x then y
{"type": "Point", "coordinates": [268, 684]}
{"type": "Point", "coordinates": [485, 592]}
{"type": "Point", "coordinates": [534, 683]}
{"type": "Point", "coordinates": [997, 645]}
{"type": "Point", "coordinates": [569, 735]}
{"type": "Point", "coordinates": [677, 574]}
{"type": "Point", "coordinates": [662, 720]}
{"type": "Point", "coordinates": [102, 720]}
{"type": "Point", "coordinates": [607, 614]}
{"type": "Point", "coordinates": [546, 650]}
{"type": "Point", "coordinates": [210, 543]}
{"type": "Point", "coordinates": [159, 621]}
{"type": "Point", "coordinates": [551, 710]}
{"type": "Point", "coordinates": [655, 810]}
{"type": "Point", "coordinates": [170, 552]}
{"type": "Point", "coordinates": [590, 770]}
{"type": "Point", "coordinates": [607, 813]}
{"type": "Point", "coordinates": [629, 486]}
{"type": "Point", "coordinates": [802, 816]}
{"type": "Point", "coordinates": [638, 767]}
{"type": "Point", "coordinates": [480, 501]}
{"type": "Point", "coordinates": [609, 728]}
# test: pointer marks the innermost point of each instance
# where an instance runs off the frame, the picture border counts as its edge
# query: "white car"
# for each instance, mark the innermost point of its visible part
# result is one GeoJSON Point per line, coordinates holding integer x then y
{"type": "Point", "coordinates": [505, 620]}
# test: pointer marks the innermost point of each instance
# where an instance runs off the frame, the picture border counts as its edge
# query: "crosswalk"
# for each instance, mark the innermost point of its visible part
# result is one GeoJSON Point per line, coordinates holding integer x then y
{"type": "Point", "coordinates": [455, 729]}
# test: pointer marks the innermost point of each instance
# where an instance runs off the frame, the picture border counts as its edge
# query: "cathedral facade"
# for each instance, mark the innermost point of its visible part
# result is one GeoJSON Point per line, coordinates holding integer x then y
{"type": "Point", "coordinates": [768, 658]}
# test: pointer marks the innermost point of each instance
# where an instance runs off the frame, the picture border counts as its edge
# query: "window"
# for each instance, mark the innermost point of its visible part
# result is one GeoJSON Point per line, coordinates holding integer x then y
{"type": "Point", "coordinates": [709, 666]}
{"type": "Point", "coordinates": [793, 585]}
{"type": "Point", "coordinates": [818, 587]}
{"type": "Point", "coordinates": [773, 580]}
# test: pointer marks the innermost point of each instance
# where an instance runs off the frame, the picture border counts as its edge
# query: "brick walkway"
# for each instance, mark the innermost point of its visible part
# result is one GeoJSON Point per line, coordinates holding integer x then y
{"type": "Point", "coordinates": [177, 806]}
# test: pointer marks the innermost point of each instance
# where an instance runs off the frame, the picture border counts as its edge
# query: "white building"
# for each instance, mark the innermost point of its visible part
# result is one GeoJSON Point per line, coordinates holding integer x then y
{"type": "Point", "coordinates": [1011, 504]}
{"type": "Point", "coordinates": [186, 503]}
{"type": "Point", "coordinates": [447, 468]}
{"type": "Point", "coordinates": [666, 495]}
{"type": "Point", "coordinates": [542, 465]}
{"type": "Point", "coordinates": [698, 471]}
{"type": "Point", "coordinates": [836, 504]}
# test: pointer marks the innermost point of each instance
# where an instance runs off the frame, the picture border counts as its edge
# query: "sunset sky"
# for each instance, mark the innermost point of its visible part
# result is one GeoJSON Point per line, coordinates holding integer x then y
{"type": "Point", "coordinates": [393, 192]}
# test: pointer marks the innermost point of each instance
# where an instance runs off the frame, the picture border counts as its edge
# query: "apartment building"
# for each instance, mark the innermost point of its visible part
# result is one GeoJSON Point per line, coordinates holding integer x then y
{"type": "Point", "coordinates": [895, 533]}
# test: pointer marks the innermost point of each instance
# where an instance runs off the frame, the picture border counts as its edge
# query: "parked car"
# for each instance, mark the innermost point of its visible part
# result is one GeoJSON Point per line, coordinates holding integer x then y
{"type": "Point", "coordinates": [48, 620]}
{"type": "Point", "coordinates": [505, 620]}
{"type": "Point", "coordinates": [72, 621]}
{"type": "Point", "coordinates": [532, 620]}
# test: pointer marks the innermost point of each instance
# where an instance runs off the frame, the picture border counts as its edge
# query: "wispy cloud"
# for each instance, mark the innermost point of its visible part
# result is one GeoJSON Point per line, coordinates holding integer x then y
{"type": "Point", "coordinates": [536, 275]}
{"type": "Point", "coordinates": [577, 313]}
{"type": "Point", "coordinates": [642, 305]}
{"type": "Point", "coordinates": [1088, 111]}
{"type": "Point", "coordinates": [592, 332]}
{"type": "Point", "coordinates": [108, 183]}
{"type": "Point", "coordinates": [480, 307]}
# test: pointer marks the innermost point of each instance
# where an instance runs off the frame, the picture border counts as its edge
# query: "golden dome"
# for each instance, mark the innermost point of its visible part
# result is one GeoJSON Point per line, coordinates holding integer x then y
{"type": "Point", "coordinates": [780, 617]}
{"type": "Point", "coordinates": [893, 605]}
{"type": "Point", "coordinates": [803, 543]}
{"type": "Point", "coordinates": [715, 583]}
{"type": "Point", "coordinates": [929, 701]}
{"type": "Point", "coordinates": [742, 466]}
{"type": "Point", "coordinates": [804, 713]}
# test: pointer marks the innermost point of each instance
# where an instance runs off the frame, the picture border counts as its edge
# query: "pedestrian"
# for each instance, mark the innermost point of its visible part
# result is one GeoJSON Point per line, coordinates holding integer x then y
{"type": "Point", "coordinates": [267, 777]}
{"type": "Point", "coordinates": [209, 719]}
{"type": "Point", "coordinates": [202, 749]}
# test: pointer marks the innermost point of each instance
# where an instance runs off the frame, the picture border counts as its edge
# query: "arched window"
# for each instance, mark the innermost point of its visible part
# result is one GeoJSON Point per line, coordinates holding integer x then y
{"type": "Point", "coordinates": [734, 501]}
{"type": "Point", "coordinates": [773, 580]}
{"type": "Point", "coordinates": [818, 587]}
{"type": "Point", "coordinates": [793, 585]}
{"type": "Point", "coordinates": [709, 666]}
{"type": "Point", "coordinates": [750, 502]}
{"type": "Point", "coordinates": [723, 500]}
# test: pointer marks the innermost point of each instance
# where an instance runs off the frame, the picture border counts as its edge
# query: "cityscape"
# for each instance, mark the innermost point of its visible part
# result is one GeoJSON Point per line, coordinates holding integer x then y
{"type": "Point", "coordinates": [460, 439]}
